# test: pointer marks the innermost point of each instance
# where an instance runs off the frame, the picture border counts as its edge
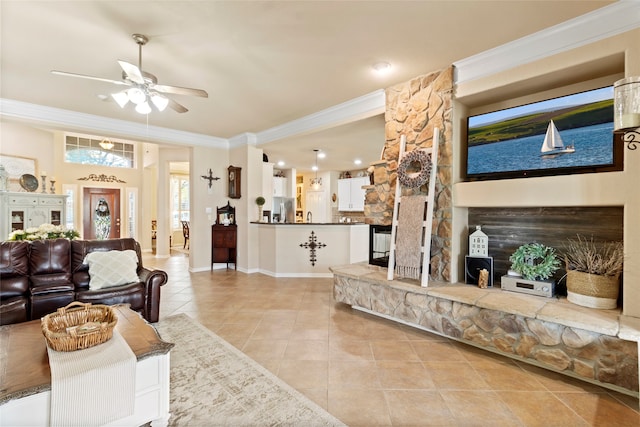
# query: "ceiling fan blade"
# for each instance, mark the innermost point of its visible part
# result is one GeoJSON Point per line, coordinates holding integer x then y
{"type": "Point", "coordinates": [177, 90]}
{"type": "Point", "coordinates": [84, 76]}
{"type": "Point", "coordinates": [177, 107]}
{"type": "Point", "coordinates": [132, 72]}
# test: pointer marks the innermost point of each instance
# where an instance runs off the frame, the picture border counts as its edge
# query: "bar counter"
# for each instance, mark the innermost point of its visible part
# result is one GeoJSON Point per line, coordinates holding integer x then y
{"type": "Point", "coordinates": [310, 249]}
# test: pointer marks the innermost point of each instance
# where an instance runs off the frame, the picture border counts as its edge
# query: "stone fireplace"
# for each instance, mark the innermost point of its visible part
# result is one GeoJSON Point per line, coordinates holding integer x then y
{"type": "Point", "coordinates": [414, 109]}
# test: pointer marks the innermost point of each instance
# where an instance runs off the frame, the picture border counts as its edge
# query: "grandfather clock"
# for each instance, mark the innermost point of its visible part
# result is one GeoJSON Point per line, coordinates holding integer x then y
{"type": "Point", "coordinates": [234, 182]}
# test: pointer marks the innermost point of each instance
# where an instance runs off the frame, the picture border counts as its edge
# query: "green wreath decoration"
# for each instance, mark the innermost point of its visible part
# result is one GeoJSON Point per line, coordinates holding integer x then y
{"type": "Point", "coordinates": [419, 178]}
{"type": "Point", "coordinates": [535, 261]}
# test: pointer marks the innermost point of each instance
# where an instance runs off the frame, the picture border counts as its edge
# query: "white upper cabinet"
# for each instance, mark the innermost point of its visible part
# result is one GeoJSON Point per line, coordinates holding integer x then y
{"type": "Point", "coordinates": [280, 187]}
{"type": "Point", "coordinates": [351, 194]}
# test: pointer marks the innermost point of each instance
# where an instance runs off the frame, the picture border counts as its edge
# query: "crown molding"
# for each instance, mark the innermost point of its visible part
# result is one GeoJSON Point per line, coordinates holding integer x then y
{"type": "Point", "coordinates": [359, 108]}
{"type": "Point", "coordinates": [67, 120]}
{"type": "Point", "coordinates": [616, 18]}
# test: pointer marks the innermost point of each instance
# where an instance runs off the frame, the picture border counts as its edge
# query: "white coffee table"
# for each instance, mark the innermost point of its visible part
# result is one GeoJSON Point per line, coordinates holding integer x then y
{"type": "Point", "coordinates": [25, 376]}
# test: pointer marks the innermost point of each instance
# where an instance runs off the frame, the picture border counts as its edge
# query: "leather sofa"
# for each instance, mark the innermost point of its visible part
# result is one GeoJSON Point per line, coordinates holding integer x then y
{"type": "Point", "coordinates": [38, 277]}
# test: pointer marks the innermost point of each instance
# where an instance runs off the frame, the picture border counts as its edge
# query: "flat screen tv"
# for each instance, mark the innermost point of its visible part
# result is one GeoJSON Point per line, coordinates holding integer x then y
{"type": "Point", "coordinates": [565, 135]}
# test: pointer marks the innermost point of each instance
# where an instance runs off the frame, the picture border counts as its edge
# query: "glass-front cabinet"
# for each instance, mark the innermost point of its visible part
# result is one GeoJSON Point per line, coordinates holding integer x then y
{"type": "Point", "coordinates": [20, 211]}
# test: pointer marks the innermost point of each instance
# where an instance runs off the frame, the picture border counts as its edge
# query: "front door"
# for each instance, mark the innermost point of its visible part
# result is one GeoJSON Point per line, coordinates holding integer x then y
{"type": "Point", "coordinates": [101, 218]}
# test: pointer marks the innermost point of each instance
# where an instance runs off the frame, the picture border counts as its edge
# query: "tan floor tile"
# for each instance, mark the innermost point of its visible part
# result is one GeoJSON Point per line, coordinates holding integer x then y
{"type": "Point", "coordinates": [307, 350]}
{"type": "Point", "coordinates": [437, 351]}
{"type": "Point", "coordinates": [600, 409]}
{"type": "Point", "coordinates": [359, 408]}
{"type": "Point", "coordinates": [418, 408]}
{"type": "Point", "coordinates": [345, 349]}
{"type": "Point", "coordinates": [353, 374]}
{"type": "Point", "coordinates": [268, 330]}
{"type": "Point", "coordinates": [455, 376]}
{"type": "Point", "coordinates": [265, 349]}
{"type": "Point", "coordinates": [557, 382]}
{"type": "Point", "coordinates": [485, 407]}
{"type": "Point", "coordinates": [304, 374]}
{"type": "Point", "coordinates": [509, 378]}
{"type": "Point", "coordinates": [540, 409]}
{"type": "Point", "coordinates": [309, 331]}
{"type": "Point", "coordinates": [404, 375]}
{"type": "Point", "coordinates": [393, 350]}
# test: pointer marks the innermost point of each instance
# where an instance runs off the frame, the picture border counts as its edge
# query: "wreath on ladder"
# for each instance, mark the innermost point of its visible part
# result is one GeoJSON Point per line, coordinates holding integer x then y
{"type": "Point", "coordinates": [414, 179]}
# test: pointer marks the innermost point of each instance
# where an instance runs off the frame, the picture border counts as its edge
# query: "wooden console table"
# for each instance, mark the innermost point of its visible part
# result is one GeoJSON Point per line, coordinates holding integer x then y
{"type": "Point", "coordinates": [25, 375]}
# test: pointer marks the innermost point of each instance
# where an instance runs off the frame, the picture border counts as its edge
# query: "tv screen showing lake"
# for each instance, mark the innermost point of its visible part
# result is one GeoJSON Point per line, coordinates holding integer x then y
{"type": "Point", "coordinates": [593, 147]}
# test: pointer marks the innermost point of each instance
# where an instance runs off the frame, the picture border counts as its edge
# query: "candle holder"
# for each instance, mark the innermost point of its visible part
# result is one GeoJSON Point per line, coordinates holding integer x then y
{"type": "Point", "coordinates": [52, 190]}
{"type": "Point", "coordinates": [44, 184]}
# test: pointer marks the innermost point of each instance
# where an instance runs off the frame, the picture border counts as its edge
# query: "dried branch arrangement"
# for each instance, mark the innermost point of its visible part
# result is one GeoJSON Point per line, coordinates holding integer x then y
{"type": "Point", "coordinates": [582, 254]}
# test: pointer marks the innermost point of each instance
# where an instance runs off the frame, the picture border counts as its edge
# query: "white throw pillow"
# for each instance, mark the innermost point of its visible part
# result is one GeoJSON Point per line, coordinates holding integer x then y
{"type": "Point", "coordinates": [112, 268]}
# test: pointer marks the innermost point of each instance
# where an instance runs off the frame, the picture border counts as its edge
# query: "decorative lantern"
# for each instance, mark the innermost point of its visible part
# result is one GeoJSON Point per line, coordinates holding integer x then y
{"type": "Point", "coordinates": [478, 243]}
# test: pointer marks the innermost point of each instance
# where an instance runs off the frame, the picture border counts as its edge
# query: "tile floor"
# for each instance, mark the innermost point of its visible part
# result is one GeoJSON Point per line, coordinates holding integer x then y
{"type": "Point", "coordinates": [369, 371]}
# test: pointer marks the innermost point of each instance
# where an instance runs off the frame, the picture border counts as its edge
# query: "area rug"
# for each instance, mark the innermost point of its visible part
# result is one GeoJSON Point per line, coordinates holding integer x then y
{"type": "Point", "coordinates": [215, 384]}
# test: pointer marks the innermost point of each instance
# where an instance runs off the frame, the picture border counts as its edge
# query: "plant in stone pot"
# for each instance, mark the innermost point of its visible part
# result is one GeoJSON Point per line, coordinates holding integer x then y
{"type": "Point", "coordinates": [260, 201]}
{"type": "Point", "coordinates": [593, 272]}
{"type": "Point", "coordinates": [535, 261]}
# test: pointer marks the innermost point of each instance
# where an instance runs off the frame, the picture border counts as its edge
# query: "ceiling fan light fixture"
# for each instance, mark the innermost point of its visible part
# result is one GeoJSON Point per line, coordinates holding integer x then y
{"type": "Point", "coordinates": [121, 98]}
{"type": "Point", "coordinates": [143, 108]}
{"type": "Point", "coordinates": [159, 101]}
{"type": "Point", "coordinates": [136, 95]}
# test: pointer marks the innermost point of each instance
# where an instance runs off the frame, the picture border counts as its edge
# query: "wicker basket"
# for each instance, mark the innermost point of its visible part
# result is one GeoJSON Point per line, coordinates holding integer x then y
{"type": "Point", "coordinates": [592, 290]}
{"type": "Point", "coordinates": [78, 326]}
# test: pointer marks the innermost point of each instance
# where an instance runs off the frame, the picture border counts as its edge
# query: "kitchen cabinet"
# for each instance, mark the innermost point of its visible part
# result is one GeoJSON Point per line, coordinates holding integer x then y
{"type": "Point", "coordinates": [25, 210]}
{"type": "Point", "coordinates": [351, 194]}
{"type": "Point", "coordinates": [279, 186]}
{"type": "Point", "coordinates": [223, 244]}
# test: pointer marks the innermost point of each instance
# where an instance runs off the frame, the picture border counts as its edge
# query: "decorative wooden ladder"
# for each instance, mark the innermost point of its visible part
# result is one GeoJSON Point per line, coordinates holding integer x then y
{"type": "Point", "coordinates": [427, 224]}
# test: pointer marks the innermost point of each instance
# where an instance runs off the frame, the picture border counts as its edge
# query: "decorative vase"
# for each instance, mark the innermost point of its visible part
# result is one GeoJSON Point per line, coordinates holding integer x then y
{"type": "Point", "coordinates": [259, 213]}
{"type": "Point", "coordinates": [592, 290]}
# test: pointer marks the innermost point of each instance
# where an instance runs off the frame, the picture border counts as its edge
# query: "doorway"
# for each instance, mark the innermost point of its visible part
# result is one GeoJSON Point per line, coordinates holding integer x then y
{"type": "Point", "coordinates": [101, 213]}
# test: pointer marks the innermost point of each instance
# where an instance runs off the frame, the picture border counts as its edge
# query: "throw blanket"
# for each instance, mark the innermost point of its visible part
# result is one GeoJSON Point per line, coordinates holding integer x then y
{"type": "Point", "coordinates": [93, 386]}
{"type": "Point", "coordinates": [409, 236]}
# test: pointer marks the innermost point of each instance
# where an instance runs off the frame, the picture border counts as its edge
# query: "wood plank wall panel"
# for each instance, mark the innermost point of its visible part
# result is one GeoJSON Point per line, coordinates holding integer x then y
{"type": "Point", "coordinates": [509, 228]}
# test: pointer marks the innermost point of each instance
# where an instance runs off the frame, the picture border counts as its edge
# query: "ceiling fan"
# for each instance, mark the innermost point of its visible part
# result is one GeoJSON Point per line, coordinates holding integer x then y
{"type": "Point", "coordinates": [143, 89]}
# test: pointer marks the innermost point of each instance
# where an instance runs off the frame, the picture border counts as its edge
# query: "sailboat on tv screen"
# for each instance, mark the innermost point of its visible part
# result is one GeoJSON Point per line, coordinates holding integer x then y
{"type": "Point", "coordinates": [553, 144]}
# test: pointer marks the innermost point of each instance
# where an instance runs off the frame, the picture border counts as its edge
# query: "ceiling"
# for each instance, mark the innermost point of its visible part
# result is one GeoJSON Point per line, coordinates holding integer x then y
{"type": "Point", "coordinates": [263, 63]}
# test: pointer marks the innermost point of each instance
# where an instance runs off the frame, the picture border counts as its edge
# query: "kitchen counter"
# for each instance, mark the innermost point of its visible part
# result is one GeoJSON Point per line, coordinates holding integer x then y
{"type": "Point", "coordinates": [310, 249]}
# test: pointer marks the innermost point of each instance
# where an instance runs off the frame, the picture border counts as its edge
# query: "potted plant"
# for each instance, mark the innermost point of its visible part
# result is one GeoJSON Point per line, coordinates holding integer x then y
{"type": "Point", "coordinates": [593, 272]}
{"type": "Point", "coordinates": [535, 261]}
{"type": "Point", "coordinates": [260, 202]}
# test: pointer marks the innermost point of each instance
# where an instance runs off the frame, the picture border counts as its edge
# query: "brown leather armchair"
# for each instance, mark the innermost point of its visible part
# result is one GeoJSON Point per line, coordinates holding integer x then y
{"type": "Point", "coordinates": [143, 296]}
{"type": "Point", "coordinates": [14, 282]}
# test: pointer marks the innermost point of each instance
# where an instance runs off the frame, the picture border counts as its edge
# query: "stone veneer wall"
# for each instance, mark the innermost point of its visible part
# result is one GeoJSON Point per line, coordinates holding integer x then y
{"type": "Point", "coordinates": [414, 109]}
{"type": "Point", "coordinates": [593, 356]}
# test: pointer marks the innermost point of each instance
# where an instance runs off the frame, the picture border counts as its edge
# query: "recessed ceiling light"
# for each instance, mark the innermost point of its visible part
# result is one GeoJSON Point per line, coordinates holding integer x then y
{"type": "Point", "coordinates": [281, 163]}
{"type": "Point", "coordinates": [314, 168]}
{"type": "Point", "coordinates": [357, 161]}
{"type": "Point", "coordinates": [381, 67]}
{"type": "Point", "coordinates": [322, 155]}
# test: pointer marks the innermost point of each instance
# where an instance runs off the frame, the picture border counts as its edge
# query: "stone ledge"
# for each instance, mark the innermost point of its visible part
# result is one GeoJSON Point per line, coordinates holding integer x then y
{"type": "Point", "coordinates": [555, 310]}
